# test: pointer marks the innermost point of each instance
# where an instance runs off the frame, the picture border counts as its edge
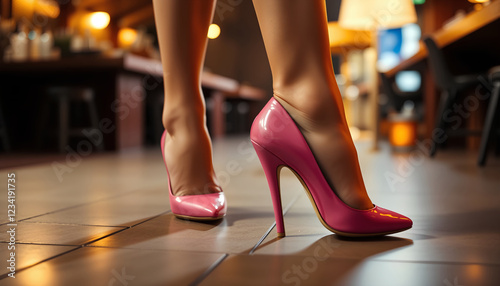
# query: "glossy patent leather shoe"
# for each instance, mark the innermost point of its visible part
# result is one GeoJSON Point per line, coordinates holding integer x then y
{"type": "Point", "coordinates": [195, 207]}
{"type": "Point", "coordinates": [279, 143]}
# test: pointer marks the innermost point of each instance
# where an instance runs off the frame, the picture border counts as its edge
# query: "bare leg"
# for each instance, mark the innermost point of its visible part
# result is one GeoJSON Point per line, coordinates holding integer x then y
{"type": "Point", "coordinates": [182, 27]}
{"type": "Point", "coordinates": [296, 39]}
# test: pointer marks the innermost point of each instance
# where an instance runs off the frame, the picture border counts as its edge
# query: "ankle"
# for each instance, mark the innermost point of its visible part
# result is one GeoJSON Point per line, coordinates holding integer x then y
{"type": "Point", "coordinates": [313, 108]}
{"type": "Point", "coordinates": [312, 96]}
{"type": "Point", "coordinates": [182, 120]}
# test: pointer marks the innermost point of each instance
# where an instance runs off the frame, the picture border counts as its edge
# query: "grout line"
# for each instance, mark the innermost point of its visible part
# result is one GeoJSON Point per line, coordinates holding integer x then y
{"type": "Point", "coordinates": [123, 229]}
{"type": "Point", "coordinates": [209, 270]}
{"type": "Point", "coordinates": [458, 263]}
{"type": "Point", "coordinates": [102, 237]}
{"type": "Point", "coordinates": [97, 225]}
{"type": "Point", "coordinates": [68, 208]}
{"type": "Point", "coordinates": [150, 218]}
{"type": "Point", "coordinates": [80, 205]}
{"type": "Point", "coordinates": [262, 238]}
{"type": "Point", "coordinates": [152, 249]}
{"type": "Point", "coordinates": [75, 224]}
{"type": "Point", "coordinates": [288, 207]}
{"type": "Point", "coordinates": [43, 244]}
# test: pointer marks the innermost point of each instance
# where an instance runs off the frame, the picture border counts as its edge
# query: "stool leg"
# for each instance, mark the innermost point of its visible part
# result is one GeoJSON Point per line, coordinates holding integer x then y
{"type": "Point", "coordinates": [157, 117]}
{"type": "Point", "coordinates": [488, 125]}
{"type": "Point", "coordinates": [3, 132]}
{"type": "Point", "coordinates": [42, 124]}
{"type": "Point", "coordinates": [63, 123]}
{"type": "Point", "coordinates": [94, 119]}
{"type": "Point", "coordinates": [218, 115]}
{"type": "Point", "coordinates": [447, 98]}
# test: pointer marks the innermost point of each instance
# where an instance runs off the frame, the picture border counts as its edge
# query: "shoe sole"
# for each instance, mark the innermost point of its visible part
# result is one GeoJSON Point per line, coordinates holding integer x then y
{"type": "Point", "coordinates": [198, 218]}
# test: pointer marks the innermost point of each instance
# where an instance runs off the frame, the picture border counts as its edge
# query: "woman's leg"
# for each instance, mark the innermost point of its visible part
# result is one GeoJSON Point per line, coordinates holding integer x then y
{"type": "Point", "coordinates": [182, 27]}
{"type": "Point", "coordinates": [296, 38]}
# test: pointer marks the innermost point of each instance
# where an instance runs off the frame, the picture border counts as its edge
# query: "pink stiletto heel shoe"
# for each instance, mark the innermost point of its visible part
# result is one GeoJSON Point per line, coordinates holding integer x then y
{"type": "Point", "coordinates": [279, 143]}
{"type": "Point", "coordinates": [195, 207]}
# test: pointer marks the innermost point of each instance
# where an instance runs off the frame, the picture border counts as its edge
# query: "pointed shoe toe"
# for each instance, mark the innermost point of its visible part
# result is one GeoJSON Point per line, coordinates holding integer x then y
{"type": "Point", "coordinates": [371, 222]}
{"type": "Point", "coordinates": [199, 207]}
{"type": "Point", "coordinates": [392, 222]}
{"type": "Point", "coordinates": [203, 207]}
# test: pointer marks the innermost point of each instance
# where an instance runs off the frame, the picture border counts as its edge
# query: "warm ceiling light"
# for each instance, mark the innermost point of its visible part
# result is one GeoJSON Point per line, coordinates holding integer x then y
{"type": "Point", "coordinates": [48, 8]}
{"type": "Point", "coordinates": [479, 1]}
{"type": "Point", "coordinates": [22, 9]}
{"type": "Point", "coordinates": [126, 37]}
{"type": "Point", "coordinates": [213, 31]}
{"type": "Point", "coordinates": [99, 20]}
{"type": "Point", "coordinates": [376, 14]}
{"type": "Point", "coordinates": [341, 38]}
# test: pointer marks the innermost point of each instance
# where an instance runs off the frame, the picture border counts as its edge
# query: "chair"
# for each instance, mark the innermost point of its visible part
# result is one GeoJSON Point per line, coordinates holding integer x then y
{"type": "Point", "coordinates": [396, 97]}
{"type": "Point", "coordinates": [491, 115]}
{"type": "Point", "coordinates": [64, 97]}
{"type": "Point", "coordinates": [449, 84]}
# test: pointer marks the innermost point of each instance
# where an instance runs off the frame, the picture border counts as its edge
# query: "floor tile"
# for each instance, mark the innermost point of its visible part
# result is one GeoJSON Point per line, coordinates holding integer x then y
{"type": "Point", "coordinates": [124, 210]}
{"type": "Point", "coordinates": [397, 273]}
{"type": "Point", "coordinates": [460, 237]}
{"type": "Point", "coordinates": [87, 180]}
{"type": "Point", "coordinates": [242, 177]}
{"type": "Point", "coordinates": [237, 233]}
{"type": "Point", "coordinates": [306, 236]}
{"type": "Point", "coordinates": [62, 234]}
{"type": "Point", "coordinates": [122, 196]}
{"type": "Point", "coordinates": [320, 270]}
{"type": "Point", "coordinates": [103, 266]}
{"type": "Point", "coordinates": [29, 254]}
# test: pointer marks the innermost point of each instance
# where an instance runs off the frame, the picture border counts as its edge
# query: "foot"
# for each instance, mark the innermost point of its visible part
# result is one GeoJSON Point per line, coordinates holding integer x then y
{"type": "Point", "coordinates": [188, 156]}
{"type": "Point", "coordinates": [323, 125]}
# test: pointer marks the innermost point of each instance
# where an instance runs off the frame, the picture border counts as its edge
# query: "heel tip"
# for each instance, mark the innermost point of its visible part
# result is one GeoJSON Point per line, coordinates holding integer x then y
{"type": "Point", "coordinates": [281, 234]}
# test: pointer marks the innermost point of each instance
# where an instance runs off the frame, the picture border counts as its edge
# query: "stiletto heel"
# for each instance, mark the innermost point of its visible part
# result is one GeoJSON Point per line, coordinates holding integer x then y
{"type": "Point", "coordinates": [272, 166]}
{"type": "Point", "coordinates": [279, 143]}
{"type": "Point", "coordinates": [195, 207]}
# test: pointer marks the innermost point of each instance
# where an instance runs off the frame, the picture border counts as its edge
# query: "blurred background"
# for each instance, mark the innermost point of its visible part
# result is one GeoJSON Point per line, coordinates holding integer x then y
{"type": "Point", "coordinates": [85, 76]}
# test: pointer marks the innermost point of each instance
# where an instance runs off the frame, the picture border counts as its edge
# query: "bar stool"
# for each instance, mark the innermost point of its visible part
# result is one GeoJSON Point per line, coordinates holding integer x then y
{"type": "Point", "coordinates": [3, 132]}
{"type": "Point", "coordinates": [449, 84]}
{"type": "Point", "coordinates": [64, 97]}
{"type": "Point", "coordinates": [491, 115]}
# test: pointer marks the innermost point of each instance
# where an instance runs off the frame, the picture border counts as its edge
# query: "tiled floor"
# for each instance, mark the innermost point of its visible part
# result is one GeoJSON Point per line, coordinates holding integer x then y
{"type": "Point", "coordinates": [105, 220]}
